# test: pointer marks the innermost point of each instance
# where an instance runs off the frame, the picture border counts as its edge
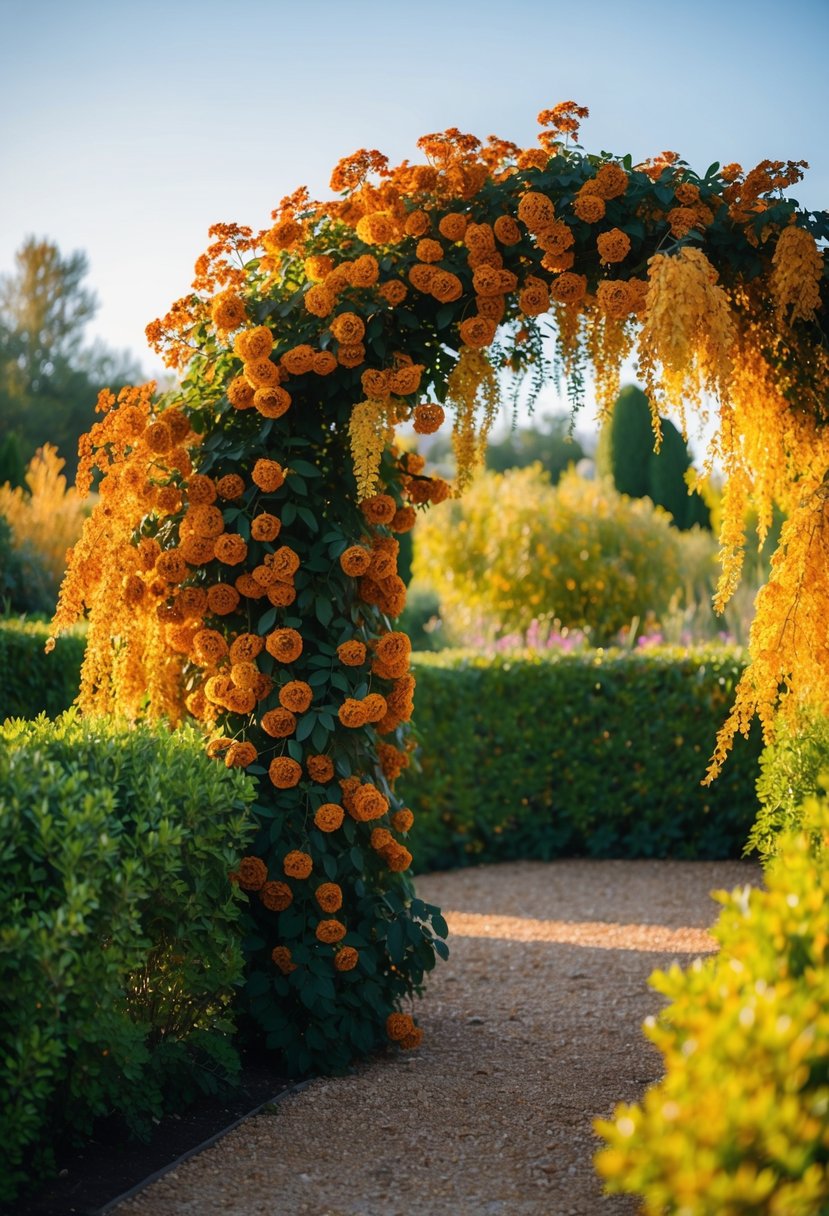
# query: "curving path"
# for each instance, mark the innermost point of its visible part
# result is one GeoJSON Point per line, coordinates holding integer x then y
{"type": "Point", "coordinates": [532, 1030]}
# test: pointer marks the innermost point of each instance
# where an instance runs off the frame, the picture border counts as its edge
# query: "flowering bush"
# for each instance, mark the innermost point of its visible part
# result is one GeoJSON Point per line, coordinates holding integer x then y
{"type": "Point", "coordinates": [248, 521]}
{"type": "Point", "coordinates": [46, 518]}
{"type": "Point", "coordinates": [739, 1122]}
{"type": "Point", "coordinates": [516, 548]}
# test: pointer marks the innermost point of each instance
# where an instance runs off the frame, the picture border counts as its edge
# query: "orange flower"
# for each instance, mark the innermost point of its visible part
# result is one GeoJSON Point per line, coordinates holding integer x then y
{"type": "Point", "coordinates": [297, 864]}
{"type": "Point", "coordinates": [347, 327]}
{"type": "Point", "coordinates": [375, 384]}
{"type": "Point", "coordinates": [222, 599]}
{"type": "Point", "coordinates": [276, 896]}
{"type": "Point", "coordinates": [374, 706]}
{"type": "Point", "coordinates": [397, 858]}
{"type": "Point", "coordinates": [240, 393]}
{"type": "Point", "coordinates": [402, 820]}
{"type": "Point", "coordinates": [261, 373]}
{"type": "Point", "coordinates": [230, 486]}
{"type": "Point", "coordinates": [614, 298]}
{"type": "Point", "coordinates": [352, 713]}
{"type": "Point", "coordinates": [369, 803]}
{"type": "Point", "coordinates": [404, 519]}
{"type": "Point", "coordinates": [569, 288]}
{"type": "Point", "coordinates": [611, 181]}
{"type": "Point", "coordinates": [281, 594]}
{"type": "Point", "coordinates": [268, 475]}
{"type": "Point", "coordinates": [429, 250]}
{"type": "Point", "coordinates": [394, 648]}
{"type": "Point", "coordinates": [284, 772]}
{"type": "Point", "coordinates": [240, 755]}
{"type": "Point", "coordinates": [417, 223]}
{"type": "Point", "coordinates": [205, 521]}
{"type": "Point", "coordinates": [171, 566]}
{"type": "Point", "coordinates": [379, 509]}
{"type": "Point", "coordinates": [320, 768]}
{"type": "Point", "coordinates": [351, 653]}
{"type": "Point", "coordinates": [230, 549]}
{"type": "Point", "coordinates": [215, 748]}
{"type": "Point", "coordinates": [406, 379]}
{"type": "Point", "coordinates": [330, 931]}
{"type": "Point", "coordinates": [278, 723]}
{"type": "Point", "coordinates": [477, 331]}
{"type": "Point", "coordinates": [535, 297]}
{"type": "Point", "coordinates": [446, 286]}
{"type": "Point", "coordinates": [393, 291]}
{"type": "Point", "coordinates": [329, 817]}
{"type": "Point", "coordinates": [398, 1025]}
{"type": "Point", "coordinates": [227, 311]}
{"type": "Point", "coordinates": [380, 839]}
{"type": "Point", "coordinates": [506, 230]}
{"type": "Point", "coordinates": [272, 402]}
{"type": "Point", "coordinates": [453, 226]}
{"type": "Point", "coordinates": [479, 238]}
{"type": "Point", "coordinates": [413, 1039]}
{"type": "Point", "coordinates": [536, 210]}
{"type": "Point", "coordinates": [209, 647]}
{"type": "Point", "coordinates": [351, 354]}
{"type": "Point", "coordinates": [284, 644]}
{"type": "Point", "coordinates": [355, 561]}
{"type": "Point", "coordinates": [284, 563]}
{"type": "Point", "coordinates": [252, 873]}
{"type": "Point", "coordinates": [346, 958]}
{"type": "Point", "coordinates": [329, 896]}
{"type": "Point", "coordinates": [319, 301]}
{"type": "Point", "coordinates": [197, 550]}
{"type": "Point", "coordinates": [613, 246]}
{"type": "Point", "coordinates": [295, 696]}
{"type": "Point", "coordinates": [421, 276]}
{"type": "Point", "coordinates": [265, 527]}
{"type": "Point", "coordinates": [364, 271]}
{"type": "Point", "coordinates": [201, 490]}
{"type": "Point", "coordinates": [589, 207]}
{"type": "Point", "coordinates": [247, 586]}
{"type": "Point", "coordinates": [244, 675]}
{"type": "Point", "coordinates": [318, 266]}
{"type": "Point", "coordinates": [299, 360]}
{"type": "Point", "coordinates": [192, 601]}
{"type": "Point", "coordinates": [281, 955]}
{"type": "Point", "coordinates": [246, 648]}
{"type": "Point", "coordinates": [256, 343]}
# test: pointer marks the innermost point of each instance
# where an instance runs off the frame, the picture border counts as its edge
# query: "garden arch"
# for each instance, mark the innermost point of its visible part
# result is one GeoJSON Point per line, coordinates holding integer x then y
{"type": "Point", "coordinates": [240, 566]}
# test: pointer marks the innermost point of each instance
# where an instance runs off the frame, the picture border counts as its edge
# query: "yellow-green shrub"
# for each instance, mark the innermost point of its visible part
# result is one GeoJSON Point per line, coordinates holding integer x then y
{"type": "Point", "coordinates": [740, 1122]}
{"type": "Point", "coordinates": [517, 548]}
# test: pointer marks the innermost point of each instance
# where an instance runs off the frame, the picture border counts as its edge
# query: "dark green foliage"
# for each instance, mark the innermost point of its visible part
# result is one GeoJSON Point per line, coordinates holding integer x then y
{"type": "Point", "coordinates": [551, 446]}
{"type": "Point", "coordinates": [626, 454]}
{"type": "Point", "coordinates": [794, 768]}
{"type": "Point", "coordinates": [12, 464]}
{"type": "Point", "coordinates": [31, 681]}
{"type": "Point", "coordinates": [596, 754]}
{"type": "Point", "coordinates": [119, 930]}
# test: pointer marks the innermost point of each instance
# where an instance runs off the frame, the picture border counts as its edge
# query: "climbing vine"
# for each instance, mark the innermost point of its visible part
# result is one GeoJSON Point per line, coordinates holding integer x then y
{"type": "Point", "coordinates": [240, 567]}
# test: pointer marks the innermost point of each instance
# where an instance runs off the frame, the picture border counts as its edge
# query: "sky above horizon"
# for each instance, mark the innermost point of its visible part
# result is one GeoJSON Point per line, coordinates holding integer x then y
{"type": "Point", "coordinates": [129, 128]}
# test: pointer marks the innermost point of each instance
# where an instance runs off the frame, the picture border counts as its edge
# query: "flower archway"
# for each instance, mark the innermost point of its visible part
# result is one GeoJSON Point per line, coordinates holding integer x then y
{"type": "Point", "coordinates": [241, 564]}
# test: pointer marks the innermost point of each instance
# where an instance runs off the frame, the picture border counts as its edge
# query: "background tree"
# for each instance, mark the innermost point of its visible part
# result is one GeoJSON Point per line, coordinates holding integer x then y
{"type": "Point", "coordinates": [625, 453]}
{"type": "Point", "coordinates": [549, 444]}
{"type": "Point", "coordinates": [49, 380]}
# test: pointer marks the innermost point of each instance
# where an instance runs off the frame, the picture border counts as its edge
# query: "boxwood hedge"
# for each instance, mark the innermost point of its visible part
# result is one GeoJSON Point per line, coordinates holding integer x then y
{"type": "Point", "coordinates": [597, 753]}
{"type": "Point", "coordinates": [120, 941]}
{"type": "Point", "coordinates": [31, 681]}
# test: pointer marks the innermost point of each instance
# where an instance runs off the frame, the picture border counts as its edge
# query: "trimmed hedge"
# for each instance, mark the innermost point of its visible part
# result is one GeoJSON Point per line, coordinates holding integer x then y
{"type": "Point", "coordinates": [596, 753]}
{"type": "Point", "coordinates": [120, 935]}
{"type": "Point", "coordinates": [740, 1122]}
{"type": "Point", "coordinates": [31, 681]}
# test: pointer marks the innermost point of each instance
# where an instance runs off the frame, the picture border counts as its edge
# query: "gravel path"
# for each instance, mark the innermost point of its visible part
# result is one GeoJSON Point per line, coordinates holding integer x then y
{"type": "Point", "coordinates": [532, 1030]}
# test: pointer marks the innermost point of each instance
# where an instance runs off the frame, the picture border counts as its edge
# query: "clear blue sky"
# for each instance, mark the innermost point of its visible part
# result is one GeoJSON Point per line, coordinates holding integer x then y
{"type": "Point", "coordinates": [129, 126]}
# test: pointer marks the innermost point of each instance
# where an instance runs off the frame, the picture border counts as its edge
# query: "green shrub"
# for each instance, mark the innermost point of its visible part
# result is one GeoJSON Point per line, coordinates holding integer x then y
{"type": "Point", "coordinates": [792, 768]}
{"type": "Point", "coordinates": [25, 583]}
{"type": "Point", "coordinates": [31, 681]}
{"type": "Point", "coordinates": [596, 753]}
{"type": "Point", "coordinates": [119, 932]}
{"type": "Point", "coordinates": [740, 1123]}
{"type": "Point", "coordinates": [516, 548]}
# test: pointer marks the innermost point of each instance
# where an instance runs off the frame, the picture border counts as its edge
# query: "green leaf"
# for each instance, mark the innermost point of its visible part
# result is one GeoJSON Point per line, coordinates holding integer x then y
{"type": "Point", "coordinates": [295, 750]}
{"type": "Point", "coordinates": [305, 727]}
{"type": "Point", "coordinates": [395, 942]}
{"type": "Point", "coordinates": [439, 925]}
{"type": "Point", "coordinates": [305, 468]}
{"type": "Point", "coordinates": [319, 737]}
{"type": "Point", "coordinates": [288, 514]}
{"type": "Point", "coordinates": [324, 610]}
{"type": "Point", "coordinates": [441, 948]}
{"type": "Point", "coordinates": [308, 518]}
{"type": "Point", "coordinates": [267, 620]}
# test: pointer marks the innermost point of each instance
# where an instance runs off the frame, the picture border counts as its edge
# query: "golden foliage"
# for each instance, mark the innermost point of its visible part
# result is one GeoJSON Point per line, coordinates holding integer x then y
{"type": "Point", "coordinates": [46, 515]}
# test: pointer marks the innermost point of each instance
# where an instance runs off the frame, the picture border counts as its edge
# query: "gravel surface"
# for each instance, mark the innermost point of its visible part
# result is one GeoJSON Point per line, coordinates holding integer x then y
{"type": "Point", "coordinates": [532, 1030]}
